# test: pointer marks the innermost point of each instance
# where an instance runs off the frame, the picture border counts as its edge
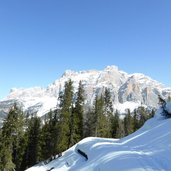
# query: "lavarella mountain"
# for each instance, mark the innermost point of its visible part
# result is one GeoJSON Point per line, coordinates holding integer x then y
{"type": "Point", "coordinates": [128, 91]}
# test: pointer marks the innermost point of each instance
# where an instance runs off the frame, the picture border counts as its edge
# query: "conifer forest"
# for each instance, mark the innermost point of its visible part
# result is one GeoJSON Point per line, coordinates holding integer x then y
{"type": "Point", "coordinates": [26, 140]}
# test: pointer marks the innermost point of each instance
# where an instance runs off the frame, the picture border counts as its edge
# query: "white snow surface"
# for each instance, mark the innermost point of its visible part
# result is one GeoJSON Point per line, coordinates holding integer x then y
{"type": "Point", "coordinates": [148, 149]}
{"type": "Point", "coordinates": [122, 107]}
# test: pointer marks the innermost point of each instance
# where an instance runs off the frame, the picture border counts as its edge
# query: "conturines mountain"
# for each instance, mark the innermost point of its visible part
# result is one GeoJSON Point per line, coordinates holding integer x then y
{"type": "Point", "coordinates": [127, 90]}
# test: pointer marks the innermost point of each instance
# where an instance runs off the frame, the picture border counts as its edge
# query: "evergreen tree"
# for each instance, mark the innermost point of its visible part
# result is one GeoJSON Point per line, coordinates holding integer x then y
{"type": "Point", "coordinates": [101, 129]}
{"type": "Point", "coordinates": [94, 116]}
{"type": "Point", "coordinates": [90, 123]}
{"type": "Point", "coordinates": [45, 137]}
{"type": "Point", "coordinates": [12, 140]}
{"type": "Point", "coordinates": [6, 159]}
{"type": "Point", "coordinates": [66, 106]}
{"type": "Point", "coordinates": [143, 115]}
{"type": "Point", "coordinates": [120, 131]}
{"type": "Point", "coordinates": [128, 123]}
{"type": "Point", "coordinates": [115, 120]}
{"type": "Point", "coordinates": [135, 120]}
{"type": "Point", "coordinates": [108, 102]}
{"type": "Point", "coordinates": [152, 113]}
{"type": "Point", "coordinates": [61, 99]}
{"type": "Point", "coordinates": [77, 122]}
{"type": "Point", "coordinates": [49, 136]}
{"type": "Point", "coordinates": [108, 109]}
{"type": "Point", "coordinates": [32, 152]}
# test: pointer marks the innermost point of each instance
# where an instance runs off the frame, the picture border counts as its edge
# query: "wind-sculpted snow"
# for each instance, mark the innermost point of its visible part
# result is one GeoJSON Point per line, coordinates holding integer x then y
{"type": "Point", "coordinates": [148, 149]}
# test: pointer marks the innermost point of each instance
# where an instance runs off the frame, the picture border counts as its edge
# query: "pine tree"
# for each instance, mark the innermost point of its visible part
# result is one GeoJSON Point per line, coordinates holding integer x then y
{"type": "Point", "coordinates": [108, 109]}
{"type": "Point", "coordinates": [90, 123]}
{"type": "Point", "coordinates": [6, 159]}
{"type": "Point", "coordinates": [12, 139]}
{"type": "Point", "coordinates": [108, 102]}
{"type": "Point", "coordinates": [101, 130]}
{"type": "Point", "coordinates": [66, 106]}
{"type": "Point", "coordinates": [55, 132]}
{"type": "Point", "coordinates": [5, 155]}
{"type": "Point", "coordinates": [32, 152]}
{"type": "Point", "coordinates": [128, 123]}
{"type": "Point", "coordinates": [152, 113]}
{"type": "Point", "coordinates": [143, 116]}
{"type": "Point", "coordinates": [120, 132]}
{"type": "Point", "coordinates": [115, 120]}
{"type": "Point", "coordinates": [94, 116]}
{"type": "Point", "coordinates": [49, 136]}
{"type": "Point", "coordinates": [77, 122]}
{"type": "Point", "coordinates": [45, 137]}
{"type": "Point", "coordinates": [135, 121]}
{"type": "Point", "coordinates": [73, 123]}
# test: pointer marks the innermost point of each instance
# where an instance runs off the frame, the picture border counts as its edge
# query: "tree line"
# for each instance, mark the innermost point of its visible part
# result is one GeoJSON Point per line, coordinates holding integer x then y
{"type": "Point", "coordinates": [27, 140]}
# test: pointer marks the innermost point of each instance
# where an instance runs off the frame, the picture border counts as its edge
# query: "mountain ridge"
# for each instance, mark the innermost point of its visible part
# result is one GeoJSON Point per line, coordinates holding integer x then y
{"type": "Point", "coordinates": [135, 89]}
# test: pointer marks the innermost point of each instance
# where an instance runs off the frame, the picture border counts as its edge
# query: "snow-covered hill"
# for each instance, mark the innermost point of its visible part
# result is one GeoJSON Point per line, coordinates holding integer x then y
{"type": "Point", "coordinates": [128, 91]}
{"type": "Point", "coordinates": [148, 149]}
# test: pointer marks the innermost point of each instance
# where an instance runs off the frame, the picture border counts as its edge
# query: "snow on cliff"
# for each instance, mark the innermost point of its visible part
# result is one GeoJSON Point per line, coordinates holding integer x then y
{"type": "Point", "coordinates": [148, 149]}
{"type": "Point", "coordinates": [127, 91]}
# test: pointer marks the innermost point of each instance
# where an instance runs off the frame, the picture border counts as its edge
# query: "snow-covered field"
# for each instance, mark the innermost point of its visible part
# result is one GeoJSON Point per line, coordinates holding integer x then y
{"type": "Point", "coordinates": [148, 149]}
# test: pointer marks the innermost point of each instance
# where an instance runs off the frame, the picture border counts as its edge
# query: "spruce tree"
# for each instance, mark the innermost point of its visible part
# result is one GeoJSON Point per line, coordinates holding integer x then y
{"type": "Point", "coordinates": [143, 115]}
{"type": "Point", "coordinates": [128, 123]}
{"type": "Point", "coordinates": [90, 123]}
{"type": "Point", "coordinates": [108, 109]}
{"type": "Point", "coordinates": [32, 152]}
{"type": "Point", "coordinates": [115, 120]}
{"type": "Point", "coordinates": [77, 115]}
{"type": "Point", "coordinates": [108, 102]}
{"type": "Point", "coordinates": [49, 136]}
{"type": "Point", "coordinates": [151, 113]}
{"type": "Point", "coordinates": [93, 118]}
{"type": "Point", "coordinates": [101, 130]}
{"type": "Point", "coordinates": [66, 106]}
{"type": "Point", "coordinates": [120, 131]}
{"type": "Point", "coordinates": [135, 121]}
{"type": "Point", "coordinates": [12, 139]}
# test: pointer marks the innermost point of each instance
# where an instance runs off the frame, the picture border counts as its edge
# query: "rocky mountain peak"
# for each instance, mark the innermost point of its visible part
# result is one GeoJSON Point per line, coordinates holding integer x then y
{"type": "Point", "coordinates": [69, 73]}
{"type": "Point", "coordinates": [111, 68]}
{"type": "Point", "coordinates": [134, 88]}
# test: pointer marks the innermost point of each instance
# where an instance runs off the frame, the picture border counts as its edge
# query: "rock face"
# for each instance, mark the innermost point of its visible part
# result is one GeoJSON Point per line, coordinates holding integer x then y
{"type": "Point", "coordinates": [142, 89]}
{"type": "Point", "coordinates": [128, 91]}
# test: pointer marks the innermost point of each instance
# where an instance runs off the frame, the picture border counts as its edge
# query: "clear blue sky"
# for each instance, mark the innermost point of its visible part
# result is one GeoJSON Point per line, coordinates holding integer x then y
{"type": "Point", "coordinates": [40, 39]}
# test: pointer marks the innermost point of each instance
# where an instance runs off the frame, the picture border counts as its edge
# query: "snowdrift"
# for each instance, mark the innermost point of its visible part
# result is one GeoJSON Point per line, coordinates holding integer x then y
{"type": "Point", "coordinates": [148, 149]}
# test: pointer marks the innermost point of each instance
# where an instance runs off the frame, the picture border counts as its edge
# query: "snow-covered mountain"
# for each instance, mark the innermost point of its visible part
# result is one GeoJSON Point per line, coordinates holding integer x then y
{"type": "Point", "coordinates": [128, 91]}
{"type": "Point", "coordinates": [148, 149]}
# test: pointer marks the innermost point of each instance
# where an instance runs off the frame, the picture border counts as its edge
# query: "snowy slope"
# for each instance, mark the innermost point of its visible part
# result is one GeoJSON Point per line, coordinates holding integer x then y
{"type": "Point", "coordinates": [148, 149]}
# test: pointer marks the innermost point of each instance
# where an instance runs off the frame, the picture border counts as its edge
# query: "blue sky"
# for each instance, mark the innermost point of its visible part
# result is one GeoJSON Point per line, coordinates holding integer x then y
{"type": "Point", "coordinates": [40, 39]}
